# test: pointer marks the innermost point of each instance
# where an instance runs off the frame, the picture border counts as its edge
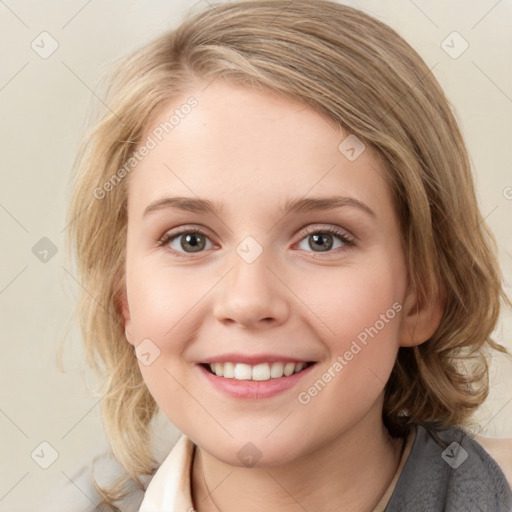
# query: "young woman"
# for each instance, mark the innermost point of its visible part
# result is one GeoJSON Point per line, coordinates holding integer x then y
{"type": "Point", "coordinates": [276, 227]}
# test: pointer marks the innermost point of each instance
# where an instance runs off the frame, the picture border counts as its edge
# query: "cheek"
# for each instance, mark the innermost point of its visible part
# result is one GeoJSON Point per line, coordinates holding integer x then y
{"type": "Point", "coordinates": [349, 300]}
{"type": "Point", "coordinates": [360, 312]}
{"type": "Point", "coordinates": [158, 300]}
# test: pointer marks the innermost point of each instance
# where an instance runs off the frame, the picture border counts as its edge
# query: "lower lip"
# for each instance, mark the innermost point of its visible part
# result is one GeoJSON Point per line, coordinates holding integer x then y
{"type": "Point", "coordinates": [254, 389]}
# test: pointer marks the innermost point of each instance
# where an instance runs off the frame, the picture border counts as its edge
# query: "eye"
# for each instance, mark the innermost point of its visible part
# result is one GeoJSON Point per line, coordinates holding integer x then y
{"type": "Point", "coordinates": [322, 238]}
{"type": "Point", "coordinates": [185, 241]}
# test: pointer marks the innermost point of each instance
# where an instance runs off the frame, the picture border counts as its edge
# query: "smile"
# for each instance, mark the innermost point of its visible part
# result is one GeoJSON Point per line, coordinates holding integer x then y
{"type": "Point", "coordinates": [259, 372]}
{"type": "Point", "coordinates": [240, 380]}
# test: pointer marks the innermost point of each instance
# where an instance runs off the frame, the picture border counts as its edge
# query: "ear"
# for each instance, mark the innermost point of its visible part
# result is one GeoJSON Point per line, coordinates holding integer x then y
{"type": "Point", "coordinates": [421, 318]}
{"type": "Point", "coordinates": [125, 311]}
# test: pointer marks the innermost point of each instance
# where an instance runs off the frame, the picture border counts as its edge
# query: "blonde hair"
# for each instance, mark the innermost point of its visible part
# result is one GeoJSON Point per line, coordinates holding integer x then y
{"type": "Point", "coordinates": [361, 74]}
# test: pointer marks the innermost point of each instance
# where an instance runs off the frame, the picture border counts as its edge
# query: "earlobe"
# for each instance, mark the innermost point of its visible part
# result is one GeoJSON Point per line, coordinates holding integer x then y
{"type": "Point", "coordinates": [420, 318]}
{"type": "Point", "coordinates": [128, 336]}
{"type": "Point", "coordinates": [125, 310]}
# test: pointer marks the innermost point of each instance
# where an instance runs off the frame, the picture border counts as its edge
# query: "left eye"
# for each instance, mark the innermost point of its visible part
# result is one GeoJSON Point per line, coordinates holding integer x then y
{"type": "Point", "coordinates": [323, 239]}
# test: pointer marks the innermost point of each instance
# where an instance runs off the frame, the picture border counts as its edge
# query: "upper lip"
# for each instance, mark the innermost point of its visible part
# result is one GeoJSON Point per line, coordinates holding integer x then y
{"type": "Point", "coordinates": [253, 359]}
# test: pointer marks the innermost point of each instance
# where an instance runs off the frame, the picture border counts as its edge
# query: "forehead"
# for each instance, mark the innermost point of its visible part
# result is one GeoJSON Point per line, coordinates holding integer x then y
{"type": "Point", "coordinates": [245, 148]}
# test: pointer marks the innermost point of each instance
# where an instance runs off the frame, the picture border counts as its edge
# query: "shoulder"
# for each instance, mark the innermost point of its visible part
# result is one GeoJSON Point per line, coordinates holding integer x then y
{"type": "Point", "coordinates": [475, 477]}
{"type": "Point", "coordinates": [501, 451]}
{"type": "Point", "coordinates": [448, 469]}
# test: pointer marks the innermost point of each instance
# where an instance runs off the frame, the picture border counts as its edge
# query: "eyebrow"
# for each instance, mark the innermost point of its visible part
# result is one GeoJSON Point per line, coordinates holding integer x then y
{"type": "Point", "coordinates": [298, 205]}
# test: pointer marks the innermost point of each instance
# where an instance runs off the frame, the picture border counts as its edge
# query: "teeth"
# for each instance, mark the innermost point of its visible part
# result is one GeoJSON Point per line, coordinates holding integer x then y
{"type": "Point", "coordinates": [263, 371]}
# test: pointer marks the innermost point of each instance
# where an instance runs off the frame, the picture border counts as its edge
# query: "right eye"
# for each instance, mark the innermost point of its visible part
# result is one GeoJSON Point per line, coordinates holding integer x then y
{"type": "Point", "coordinates": [185, 242]}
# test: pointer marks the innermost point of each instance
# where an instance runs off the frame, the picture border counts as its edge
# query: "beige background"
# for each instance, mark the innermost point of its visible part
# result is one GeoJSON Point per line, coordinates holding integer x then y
{"type": "Point", "coordinates": [44, 105]}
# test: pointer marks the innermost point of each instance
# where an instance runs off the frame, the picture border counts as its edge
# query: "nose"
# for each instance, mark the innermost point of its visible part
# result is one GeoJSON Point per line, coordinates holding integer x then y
{"type": "Point", "coordinates": [252, 295]}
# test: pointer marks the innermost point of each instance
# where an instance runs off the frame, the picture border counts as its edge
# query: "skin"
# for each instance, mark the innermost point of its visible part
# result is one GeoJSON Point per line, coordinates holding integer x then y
{"type": "Point", "coordinates": [250, 151]}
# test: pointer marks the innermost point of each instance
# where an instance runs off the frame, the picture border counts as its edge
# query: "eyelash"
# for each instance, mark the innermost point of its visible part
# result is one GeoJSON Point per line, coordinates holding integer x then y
{"type": "Point", "coordinates": [347, 240]}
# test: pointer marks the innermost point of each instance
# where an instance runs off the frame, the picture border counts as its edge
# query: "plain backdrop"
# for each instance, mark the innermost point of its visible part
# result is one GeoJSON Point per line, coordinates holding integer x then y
{"type": "Point", "coordinates": [45, 100]}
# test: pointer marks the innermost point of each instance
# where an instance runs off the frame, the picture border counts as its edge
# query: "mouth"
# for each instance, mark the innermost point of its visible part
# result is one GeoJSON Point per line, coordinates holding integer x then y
{"type": "Point", "coordinates": [259, 372]}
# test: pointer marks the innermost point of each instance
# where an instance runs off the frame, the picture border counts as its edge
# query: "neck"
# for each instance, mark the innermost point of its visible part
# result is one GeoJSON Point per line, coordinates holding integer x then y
{"type": "Point", "coordinates": [350, 473]}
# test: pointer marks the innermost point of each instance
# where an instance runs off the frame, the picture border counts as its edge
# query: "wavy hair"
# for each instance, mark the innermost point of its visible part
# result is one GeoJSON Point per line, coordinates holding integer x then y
{"type": "Point", "coordinates": [361, 74]}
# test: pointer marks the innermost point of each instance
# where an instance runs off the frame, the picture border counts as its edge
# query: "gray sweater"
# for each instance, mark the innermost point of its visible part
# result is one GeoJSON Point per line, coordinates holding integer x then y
{"type": "Point", "coordinates": [448, 471]}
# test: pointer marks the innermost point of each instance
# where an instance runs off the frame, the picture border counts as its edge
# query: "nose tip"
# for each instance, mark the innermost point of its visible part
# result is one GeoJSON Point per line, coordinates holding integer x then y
{"type": "Point", "coordinates": [251, 295]}
{"type": "Point", "coordinates": [247, 314]}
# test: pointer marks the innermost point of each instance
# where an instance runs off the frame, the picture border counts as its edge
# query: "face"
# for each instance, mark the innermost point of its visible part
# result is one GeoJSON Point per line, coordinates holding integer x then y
{"type": "Point", "coordinates": [253, 283]}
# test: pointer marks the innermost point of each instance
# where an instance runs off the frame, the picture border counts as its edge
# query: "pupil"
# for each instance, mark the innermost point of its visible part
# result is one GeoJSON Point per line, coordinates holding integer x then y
{"type": "Point", "coordinates": [192, 240]}
{"type": "Point", "coordinates": [325, 246]}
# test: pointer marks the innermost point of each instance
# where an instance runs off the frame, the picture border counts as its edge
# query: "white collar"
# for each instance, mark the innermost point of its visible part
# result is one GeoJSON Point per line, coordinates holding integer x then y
{"type": "Point", "coordinates": [169, 488]}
